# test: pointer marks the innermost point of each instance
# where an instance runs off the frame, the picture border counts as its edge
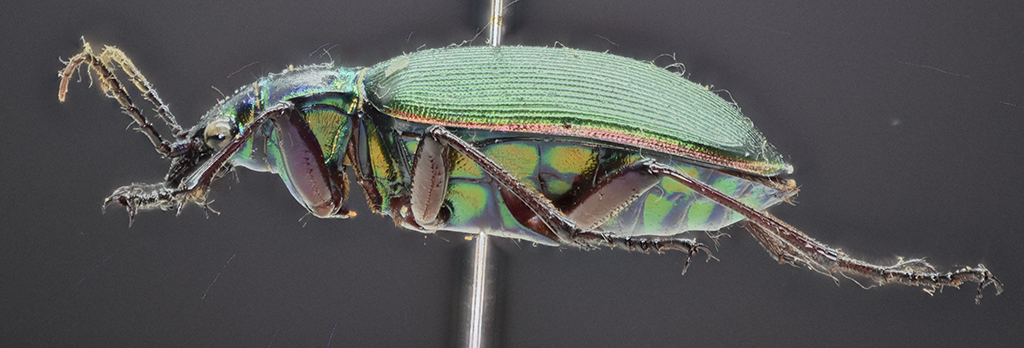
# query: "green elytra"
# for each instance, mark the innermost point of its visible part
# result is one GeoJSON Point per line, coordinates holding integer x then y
{"type": "Point", "coordinates": [549, 145]}
{"type": "Point", "coordinates": [560, 115]}
{"type": "Point", "coordinates": [571, 93]}
{"type": "Point", "coordinates": [558, 112]}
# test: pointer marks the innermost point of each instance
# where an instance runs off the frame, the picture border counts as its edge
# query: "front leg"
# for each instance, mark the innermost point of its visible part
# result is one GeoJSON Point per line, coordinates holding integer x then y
{"type": "Point", "coordinates": [297, 157]}
{"type": "Point", "coordinates": [137, 197]}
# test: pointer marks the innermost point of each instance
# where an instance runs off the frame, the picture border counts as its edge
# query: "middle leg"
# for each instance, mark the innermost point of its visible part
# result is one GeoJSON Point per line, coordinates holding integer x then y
{"type": "Point", "coordinates": [616, 191]}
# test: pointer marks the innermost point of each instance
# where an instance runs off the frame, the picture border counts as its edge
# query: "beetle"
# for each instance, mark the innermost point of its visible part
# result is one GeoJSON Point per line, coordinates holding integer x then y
{"type": "Point", "coordinates": [553, 146]}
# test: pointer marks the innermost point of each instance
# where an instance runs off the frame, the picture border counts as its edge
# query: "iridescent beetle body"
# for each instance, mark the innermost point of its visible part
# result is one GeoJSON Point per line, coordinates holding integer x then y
{"type": "Point", "coordinates": [549, 145]}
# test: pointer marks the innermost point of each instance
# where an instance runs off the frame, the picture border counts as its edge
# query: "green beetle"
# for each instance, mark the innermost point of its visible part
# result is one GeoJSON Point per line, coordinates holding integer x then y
{"type": "Point", "coordinates": [553, 146]}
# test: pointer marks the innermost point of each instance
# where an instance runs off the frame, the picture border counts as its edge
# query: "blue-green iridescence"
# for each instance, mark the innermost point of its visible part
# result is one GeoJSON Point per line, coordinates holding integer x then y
{"type": "Point", "coordinates": [557, 166]}
{"type": "Point", "coordinates": [571, 93]}
{"type": "Point", "coordinates": [558, 169]}
{"type": "Point", "coordinates": [325, 94]}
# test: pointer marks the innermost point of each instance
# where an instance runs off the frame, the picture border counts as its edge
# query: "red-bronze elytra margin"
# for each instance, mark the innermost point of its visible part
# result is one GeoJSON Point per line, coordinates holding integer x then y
{"type": "Point", "coordinates": [609, 135]}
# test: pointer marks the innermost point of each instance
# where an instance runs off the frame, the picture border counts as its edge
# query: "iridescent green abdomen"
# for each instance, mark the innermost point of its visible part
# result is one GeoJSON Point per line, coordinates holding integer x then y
{"type": "Point", "coordinates": [564, 169]}
{"type": "Point", "coordinates": [571, 93]}
{"type": "Point", "coordinates": [552, 146]}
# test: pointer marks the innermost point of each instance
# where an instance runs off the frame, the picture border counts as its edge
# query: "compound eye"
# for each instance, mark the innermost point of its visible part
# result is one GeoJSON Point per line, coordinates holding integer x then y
{"type": "Point", "coordinates": [219, 133]}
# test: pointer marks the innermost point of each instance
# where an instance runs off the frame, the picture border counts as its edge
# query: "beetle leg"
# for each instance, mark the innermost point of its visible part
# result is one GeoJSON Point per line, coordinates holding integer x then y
{"type": "Point", "coordinates": [429, 184]}
{"type": "Point", "coordinates": [611, 194]}
{"type": "Point", "coordinates": [137, 197]}
{"type": "Point", "coordinates": [302, 164]}
{"type": "Point", "coordinates": [549, 220]}
{"type": "Point", "coordinates": [192, 188]}
{"type": "Point", "coordinates": [781, 240]}
{"type": "Point", "coordinates": [558, 223]}
{"type": "Point", "coordinates": [789, 245]}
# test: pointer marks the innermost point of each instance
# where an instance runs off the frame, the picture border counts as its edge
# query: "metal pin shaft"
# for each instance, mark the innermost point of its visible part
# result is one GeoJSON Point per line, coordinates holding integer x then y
{"type": "Point", "coordinates": [481, 295]}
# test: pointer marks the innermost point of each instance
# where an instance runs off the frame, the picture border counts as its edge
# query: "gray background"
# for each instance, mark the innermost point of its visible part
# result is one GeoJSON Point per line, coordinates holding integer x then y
{"type": "Point", "coordinates": [896, 115]}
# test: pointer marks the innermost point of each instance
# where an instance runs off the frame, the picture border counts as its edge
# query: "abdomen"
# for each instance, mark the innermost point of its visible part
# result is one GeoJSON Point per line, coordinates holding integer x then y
{"type": "Point", "coordinates": [563, 169]}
